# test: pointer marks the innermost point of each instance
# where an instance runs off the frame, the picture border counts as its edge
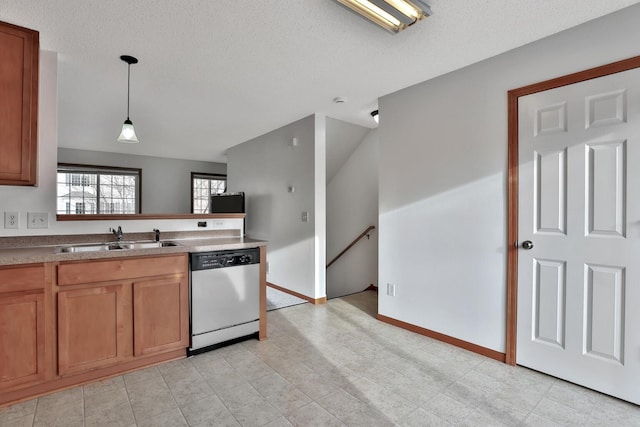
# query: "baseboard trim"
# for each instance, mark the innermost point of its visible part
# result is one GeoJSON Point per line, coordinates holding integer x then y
{"type": "Point", "coordinates": [322, 300]}
{"type": "Point", "coordinates": [63, 383]}
{"type": "Point", "coordinates": [487, 352]}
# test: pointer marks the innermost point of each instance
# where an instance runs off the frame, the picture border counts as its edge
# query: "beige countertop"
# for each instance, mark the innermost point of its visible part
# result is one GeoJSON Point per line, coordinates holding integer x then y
{"type": "Point", "coordinates": [50, 252]}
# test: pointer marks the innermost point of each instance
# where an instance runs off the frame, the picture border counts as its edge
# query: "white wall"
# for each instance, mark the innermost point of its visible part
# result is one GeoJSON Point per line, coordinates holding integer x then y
{"type": "Point", "coordinates": [352, 206]}
{"type": "Point", "coordinates": [43, 197]}
{"type": "Point", "coordinates": [264, 168]}
{"type": "Point", "coordinates": [166, 182]}
{"type": "Point", "coordinates": [443, 158]}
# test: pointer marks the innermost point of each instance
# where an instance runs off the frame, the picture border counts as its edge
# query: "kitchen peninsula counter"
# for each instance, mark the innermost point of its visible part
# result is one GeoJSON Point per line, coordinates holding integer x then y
{"type": "Point", "coordinates": [53, 302]}
{"type": "Point", "coordinates": [26, 250]}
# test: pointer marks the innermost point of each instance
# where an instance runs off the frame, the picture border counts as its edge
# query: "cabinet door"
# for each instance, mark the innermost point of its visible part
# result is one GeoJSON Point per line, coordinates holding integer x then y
{"type": "Point", "coordinates": [91, 330]}
{"type": "Point", "coordinates": [160, 315]}
{"type": "Point", "coordinates": [19, 54]}
{"type": "Point", "coordinates": [22, 344]}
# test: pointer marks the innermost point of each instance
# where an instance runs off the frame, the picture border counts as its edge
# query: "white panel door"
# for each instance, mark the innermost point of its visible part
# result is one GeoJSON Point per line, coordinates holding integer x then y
{"type": "Point", "coordinates": [579, 231]}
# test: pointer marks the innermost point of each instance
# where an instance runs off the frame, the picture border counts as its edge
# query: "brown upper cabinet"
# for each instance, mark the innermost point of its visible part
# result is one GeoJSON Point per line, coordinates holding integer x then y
{"type": "Point", "coordinates": [19, 55]}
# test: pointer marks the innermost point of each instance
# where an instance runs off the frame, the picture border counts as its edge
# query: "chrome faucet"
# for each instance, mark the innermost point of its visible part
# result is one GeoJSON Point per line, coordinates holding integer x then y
{"type": "Point", "coordinates": [118, 233]}
{"type": "Point", "coordinates": [155, 230]}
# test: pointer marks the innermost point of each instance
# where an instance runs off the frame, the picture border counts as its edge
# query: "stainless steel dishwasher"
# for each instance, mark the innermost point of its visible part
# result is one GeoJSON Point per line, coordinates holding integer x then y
{"type": "Point", "coordinates": [224, 297]}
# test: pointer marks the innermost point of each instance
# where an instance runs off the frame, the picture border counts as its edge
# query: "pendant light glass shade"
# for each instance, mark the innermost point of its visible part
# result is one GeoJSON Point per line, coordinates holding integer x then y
{"type": "Point", "coordinates": [128, 133]}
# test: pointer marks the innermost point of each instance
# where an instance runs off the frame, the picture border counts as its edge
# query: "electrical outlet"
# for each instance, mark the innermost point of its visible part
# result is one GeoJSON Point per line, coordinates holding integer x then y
{"type": "Point", "coordinates": [12, 220]}
{"type": "Point", "coordinates": [391, 289]}
{"type": "Point", "coordinates": [37, 220]}
{"type": "Point", "coordinates": [305, 216]}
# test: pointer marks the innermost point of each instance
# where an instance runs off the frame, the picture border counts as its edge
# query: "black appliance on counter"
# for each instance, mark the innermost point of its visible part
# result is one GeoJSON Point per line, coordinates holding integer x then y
{"type": "Point", "coordinates": [227, 203]}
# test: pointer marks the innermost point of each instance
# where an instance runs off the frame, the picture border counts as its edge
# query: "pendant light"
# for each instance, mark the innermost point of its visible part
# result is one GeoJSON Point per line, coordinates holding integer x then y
{"type": "Point", "coordinates": [128, 134]}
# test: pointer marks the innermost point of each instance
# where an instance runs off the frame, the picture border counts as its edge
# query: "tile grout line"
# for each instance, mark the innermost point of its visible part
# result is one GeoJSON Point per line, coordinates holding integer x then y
{"type": "Point", "coordinates": [35, 412]}
{"type": "Point", "coordinates": [216, 394]}
{"type": "Point", "coordinates": [538, 404]}
{"type": "Point", "coordinates": [84, 408]}
{"type": "Point", "coordinates": [172, 398]}
{"type": "Point", "coordinates": [126, 388]}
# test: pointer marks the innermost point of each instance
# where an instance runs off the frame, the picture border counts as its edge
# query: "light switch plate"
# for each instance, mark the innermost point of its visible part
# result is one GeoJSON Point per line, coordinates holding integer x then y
{"type": "Point", "coordinates": [37, 220]}
{"type": "Point", "coordinates": [391, 289]}
{"type": "Point", "coordinates": [12, 220]}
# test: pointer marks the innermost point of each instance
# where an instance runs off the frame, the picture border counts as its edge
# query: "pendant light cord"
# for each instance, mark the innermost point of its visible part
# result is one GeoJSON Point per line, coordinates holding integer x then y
{"type": "Point", "coordinates": [128, 86]}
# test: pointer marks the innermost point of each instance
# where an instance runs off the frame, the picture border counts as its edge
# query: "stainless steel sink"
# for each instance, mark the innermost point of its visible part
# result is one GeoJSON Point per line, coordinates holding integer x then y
{"type": "Point", "coordinates": [148, 245]}
{"type": "Point", "coordinates": [114, 246]}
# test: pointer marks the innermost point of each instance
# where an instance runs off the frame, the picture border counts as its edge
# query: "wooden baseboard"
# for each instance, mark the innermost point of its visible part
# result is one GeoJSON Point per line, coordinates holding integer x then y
{"type": "Point", "coordinates": [322, 300]}
{"type": "Point", "coordinates": [63, 383]}
{"type": "Point", "coordinates": [501, 357]}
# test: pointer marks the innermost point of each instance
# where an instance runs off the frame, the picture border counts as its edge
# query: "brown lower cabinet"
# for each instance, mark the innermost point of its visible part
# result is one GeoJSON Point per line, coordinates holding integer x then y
{"type": "Point", "coordinates": [21, 339]}
{"type": "Point", "coordinates": [23, 351]}
{"type": "Point", "coordinates": [91, 328]}
{"type": "Point", "coordinates": [159, 321]}
{"type": "Point", "coordinates": [68, 323]}
{"type": "Point", "coordinates": [111, 311]}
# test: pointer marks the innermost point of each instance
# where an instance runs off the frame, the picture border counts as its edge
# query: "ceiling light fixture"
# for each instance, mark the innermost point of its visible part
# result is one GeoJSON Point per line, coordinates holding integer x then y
{"type": "Point", "coordinates": [392, 15]}
{"type": "Point", "coordinates": [375, 116]}
{"type": "Point", "coordinates": [128, 134]}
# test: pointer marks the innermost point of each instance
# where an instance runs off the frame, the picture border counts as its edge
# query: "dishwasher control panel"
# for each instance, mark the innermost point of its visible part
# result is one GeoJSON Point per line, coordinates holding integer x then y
{"type": "Point", "coordinates": [222, 259]}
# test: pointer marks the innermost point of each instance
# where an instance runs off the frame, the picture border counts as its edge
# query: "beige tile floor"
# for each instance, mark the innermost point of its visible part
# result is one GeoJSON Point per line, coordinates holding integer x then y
{"type": "Point", "coordinates": [329, 365]}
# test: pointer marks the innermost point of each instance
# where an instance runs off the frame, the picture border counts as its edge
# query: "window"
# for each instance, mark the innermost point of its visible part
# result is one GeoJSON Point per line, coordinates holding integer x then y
{"type": "Point", "coordinates": [87, 190]}
{"type": "Point", "coordinates": [202, 187]}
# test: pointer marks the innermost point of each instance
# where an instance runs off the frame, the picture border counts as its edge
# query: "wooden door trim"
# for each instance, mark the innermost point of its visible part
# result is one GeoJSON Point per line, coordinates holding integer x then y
{"type": "Point", "coordinates": [512, 180]}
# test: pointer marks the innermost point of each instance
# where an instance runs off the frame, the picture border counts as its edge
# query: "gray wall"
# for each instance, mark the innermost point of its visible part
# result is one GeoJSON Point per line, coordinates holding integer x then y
{"type": "Point", "coordinates": [264, 168]}
{"type": "Point", "coordinates": [352, 206]}
{"type": "Point", "coordinates": [443, 166]}
{"type": "Point", "coordinates": [166, 183]}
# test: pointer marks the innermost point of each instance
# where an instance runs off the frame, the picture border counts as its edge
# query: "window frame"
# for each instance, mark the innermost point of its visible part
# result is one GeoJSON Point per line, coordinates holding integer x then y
{"type": "Point", "coordinates": [98, 170]}
{"type": "Point", "coordinates": [209, 176]}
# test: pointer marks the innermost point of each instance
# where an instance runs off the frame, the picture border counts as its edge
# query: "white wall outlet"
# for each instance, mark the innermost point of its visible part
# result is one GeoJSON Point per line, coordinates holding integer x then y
{"type": "Point", "coordinates": [37, 220]}
{"type": "Point", "coordinates": [12, 220]}
{"type": "Point", "coordinates": [305, 216]}
{"type": "Point", "coordinates": [391, 289]}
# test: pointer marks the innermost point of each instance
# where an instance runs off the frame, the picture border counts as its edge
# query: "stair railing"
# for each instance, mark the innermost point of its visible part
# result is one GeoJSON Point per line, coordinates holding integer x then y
{"type": "Point", "coordinates": [352, 244]}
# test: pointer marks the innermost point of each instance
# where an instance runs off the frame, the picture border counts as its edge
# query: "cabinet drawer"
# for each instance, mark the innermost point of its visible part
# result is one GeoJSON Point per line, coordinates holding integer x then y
{"type": "Point", "coordinates": [23, 278]}
{"type": "Point", "coordinates": [74, 273]}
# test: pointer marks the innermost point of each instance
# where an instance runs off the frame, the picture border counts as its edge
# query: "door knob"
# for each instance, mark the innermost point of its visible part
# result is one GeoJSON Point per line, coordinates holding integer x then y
{"type": "Point", "coordinates": [527, 244]}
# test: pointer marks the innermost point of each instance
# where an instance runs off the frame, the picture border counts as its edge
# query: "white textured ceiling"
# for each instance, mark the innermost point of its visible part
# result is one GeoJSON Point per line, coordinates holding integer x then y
{"type": "Point", "coordinates": [215, 73]}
